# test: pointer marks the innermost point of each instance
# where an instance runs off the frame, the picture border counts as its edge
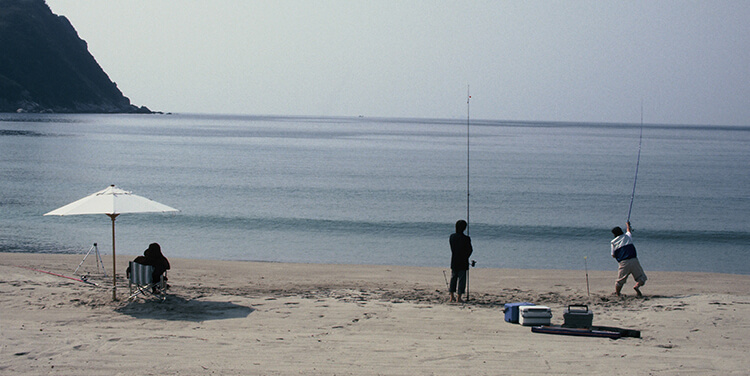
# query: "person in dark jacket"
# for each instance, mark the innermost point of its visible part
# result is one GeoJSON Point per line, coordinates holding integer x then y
{"type": "Point", "coordinates": [460, 251]}
{"type": "Point", "coordinates": [152, 256]}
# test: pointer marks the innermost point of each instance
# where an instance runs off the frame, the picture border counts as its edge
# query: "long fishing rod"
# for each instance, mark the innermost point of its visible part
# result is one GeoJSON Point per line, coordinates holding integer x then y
{"type": "Point", "coordinates": [637, 164]}
{"type": "Point", "coordinates": [468, 177]}
{"type": "Point", "coordinates": [59, 275]}
{"type": "Point", "coordinates": [468, 159]}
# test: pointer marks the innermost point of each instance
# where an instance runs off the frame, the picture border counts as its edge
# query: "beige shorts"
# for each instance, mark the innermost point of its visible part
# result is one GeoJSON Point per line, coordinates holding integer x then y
{"type": "Point", "coordinates": [628, 267]}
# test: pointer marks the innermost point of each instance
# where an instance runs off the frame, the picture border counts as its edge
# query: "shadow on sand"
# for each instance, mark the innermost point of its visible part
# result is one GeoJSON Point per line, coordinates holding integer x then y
{"type": "Point", "coordinates": [177, 308]}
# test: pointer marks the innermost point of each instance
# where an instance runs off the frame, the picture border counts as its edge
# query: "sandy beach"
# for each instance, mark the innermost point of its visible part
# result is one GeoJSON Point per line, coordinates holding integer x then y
{"type": "Point", "coordinates": [247, 318]}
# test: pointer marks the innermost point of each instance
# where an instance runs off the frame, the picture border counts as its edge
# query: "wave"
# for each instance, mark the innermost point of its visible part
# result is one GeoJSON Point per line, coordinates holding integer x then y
{"type": "Point", "coordinates": [442, 229]}
{"type": "Point", "coordinates": [12, 132]}
{"type": "Point", "coordinates": [460, 121]}
{"type": "Point", "coordinates": [21, 245]}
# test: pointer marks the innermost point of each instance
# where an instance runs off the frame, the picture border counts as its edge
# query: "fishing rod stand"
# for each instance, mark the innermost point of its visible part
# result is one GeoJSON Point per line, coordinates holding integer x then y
{"type": "Point", "coordinates": [99, 261]}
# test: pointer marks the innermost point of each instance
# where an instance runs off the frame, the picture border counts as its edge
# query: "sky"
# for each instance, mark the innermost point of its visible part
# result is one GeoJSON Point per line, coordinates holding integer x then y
{"type": "Point", "coordinates": [686, 62]}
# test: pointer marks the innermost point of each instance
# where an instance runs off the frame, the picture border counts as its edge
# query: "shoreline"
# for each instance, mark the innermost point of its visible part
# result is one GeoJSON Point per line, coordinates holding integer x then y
{"type": "Point", "coordinates": [489, 286]}
{"type": "Point", "coordinates": [129, 257]}
{"type": "Point", "coordinates": [237, 318]}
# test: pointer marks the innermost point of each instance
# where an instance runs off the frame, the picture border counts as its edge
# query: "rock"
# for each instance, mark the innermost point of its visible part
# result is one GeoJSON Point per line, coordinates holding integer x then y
{"type": "Point", "coordinates": [46, 67]}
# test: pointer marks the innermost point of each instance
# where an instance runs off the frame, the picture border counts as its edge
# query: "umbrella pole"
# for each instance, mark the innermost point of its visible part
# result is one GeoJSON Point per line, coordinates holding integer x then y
{"type": "Point", "coordinates": [114, 262]}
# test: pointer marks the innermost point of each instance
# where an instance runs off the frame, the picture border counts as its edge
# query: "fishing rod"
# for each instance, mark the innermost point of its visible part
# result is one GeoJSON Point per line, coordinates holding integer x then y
{"type": "Point", "coordinates": [468, 176]}
{"type": "Point", "coordinates": [468, 158]}
{"type": "Point", "coordinates": [637, 164]}
{"type": "Point", "coordinates": [84, 280]}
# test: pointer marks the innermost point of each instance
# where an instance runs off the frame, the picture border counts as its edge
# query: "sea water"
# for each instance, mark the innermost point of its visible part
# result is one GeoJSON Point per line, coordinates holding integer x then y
{"type": "Point", "coordinates": [381, 190]}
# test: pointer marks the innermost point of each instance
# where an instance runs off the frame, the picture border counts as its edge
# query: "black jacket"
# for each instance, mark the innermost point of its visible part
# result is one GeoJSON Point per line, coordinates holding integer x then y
{"type": "Point", "coordinates": [460, 251]}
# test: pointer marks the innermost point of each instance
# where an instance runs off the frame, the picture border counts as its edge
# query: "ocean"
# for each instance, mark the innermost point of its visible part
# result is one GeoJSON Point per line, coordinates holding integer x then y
{"type": "Point", "coordinates": [361, 190]}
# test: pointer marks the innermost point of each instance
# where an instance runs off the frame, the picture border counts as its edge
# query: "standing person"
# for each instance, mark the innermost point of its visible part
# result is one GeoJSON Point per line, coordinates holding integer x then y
{"type": "Point", "coordinates": [460, 251]}
{"type": "Point", "coordinates": [623, 251]}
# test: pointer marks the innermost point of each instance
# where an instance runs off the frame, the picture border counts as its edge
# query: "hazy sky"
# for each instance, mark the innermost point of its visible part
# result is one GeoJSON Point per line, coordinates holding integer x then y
{"type": "Point", "coordinates": [688, 61]}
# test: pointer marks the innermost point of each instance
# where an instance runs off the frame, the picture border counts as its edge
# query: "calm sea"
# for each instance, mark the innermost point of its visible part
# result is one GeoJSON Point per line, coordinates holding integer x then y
{"type": "Point", "coordinates": [381, 190]}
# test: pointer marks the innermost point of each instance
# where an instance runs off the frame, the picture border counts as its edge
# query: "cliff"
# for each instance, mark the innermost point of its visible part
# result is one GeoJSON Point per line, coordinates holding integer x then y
{"type": "Point", "coordinates": [46, 67]}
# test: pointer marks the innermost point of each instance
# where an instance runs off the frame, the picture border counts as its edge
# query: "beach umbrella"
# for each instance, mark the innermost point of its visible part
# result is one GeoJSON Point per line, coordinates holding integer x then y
{"type": "Point", "coordinates": [112, 201]}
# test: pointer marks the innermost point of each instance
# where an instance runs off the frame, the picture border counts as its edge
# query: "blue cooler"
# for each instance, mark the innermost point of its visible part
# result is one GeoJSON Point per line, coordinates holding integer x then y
{"type": "Point", "coordinates": [511, 311]}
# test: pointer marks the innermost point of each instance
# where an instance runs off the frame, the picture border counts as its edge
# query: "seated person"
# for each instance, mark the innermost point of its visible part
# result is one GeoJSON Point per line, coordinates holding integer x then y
{"type": "Point", "coordinates": [153, 257]}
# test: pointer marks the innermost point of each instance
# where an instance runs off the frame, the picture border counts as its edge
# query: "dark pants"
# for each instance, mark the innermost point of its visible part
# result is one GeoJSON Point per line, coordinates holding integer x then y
{"type": "Point", "coordinates": [458, 277]}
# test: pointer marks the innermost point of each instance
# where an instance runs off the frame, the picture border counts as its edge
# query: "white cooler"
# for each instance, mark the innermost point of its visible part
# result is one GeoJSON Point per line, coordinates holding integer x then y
{"type": "Point", "coordinates": [534, 315]}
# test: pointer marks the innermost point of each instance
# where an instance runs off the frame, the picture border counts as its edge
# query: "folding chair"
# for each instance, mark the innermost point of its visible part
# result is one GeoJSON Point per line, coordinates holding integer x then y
{"type": "Point", "coordinates": [141, 281]}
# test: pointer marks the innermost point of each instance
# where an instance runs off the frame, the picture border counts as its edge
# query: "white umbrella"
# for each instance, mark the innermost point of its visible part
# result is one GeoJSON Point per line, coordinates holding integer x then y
{"type": "Point", "coordinates": [112, 201]}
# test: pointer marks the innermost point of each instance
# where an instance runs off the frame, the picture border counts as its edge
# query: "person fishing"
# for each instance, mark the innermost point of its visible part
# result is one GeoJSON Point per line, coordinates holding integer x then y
{"type": "Point", "coordinates": [623, 250]}
{"type": "Point", "coordinates": [622, 246]}
{"type": "Point", "coordinates": [460, 251]}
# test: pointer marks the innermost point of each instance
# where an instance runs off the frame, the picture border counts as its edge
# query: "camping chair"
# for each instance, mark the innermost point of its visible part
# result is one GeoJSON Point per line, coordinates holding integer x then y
{"type": "Point", "coordinates": [141, 281]}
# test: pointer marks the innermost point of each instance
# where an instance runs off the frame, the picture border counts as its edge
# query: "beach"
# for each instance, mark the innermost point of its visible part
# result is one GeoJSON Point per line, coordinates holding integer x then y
{"type": "Point", "coordinates": [260, 318]}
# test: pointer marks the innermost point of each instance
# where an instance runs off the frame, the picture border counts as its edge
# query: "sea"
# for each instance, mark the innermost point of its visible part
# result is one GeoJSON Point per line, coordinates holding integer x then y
{"type": "Point", "coordinates": [381, 191]}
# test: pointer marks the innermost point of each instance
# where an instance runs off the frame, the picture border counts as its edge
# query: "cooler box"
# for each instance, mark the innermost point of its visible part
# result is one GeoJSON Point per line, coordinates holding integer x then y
{"type": "Point", "coordinates": [534, 315]}
{"type": "Point", "coordinates": [577, 316]}
{"type": "Point", "coordinates": [511, 310]}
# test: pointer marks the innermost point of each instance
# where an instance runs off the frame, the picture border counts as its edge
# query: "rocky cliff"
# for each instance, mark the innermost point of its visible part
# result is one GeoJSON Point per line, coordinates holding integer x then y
{"type": "Point", "coordinates": [46, 67]}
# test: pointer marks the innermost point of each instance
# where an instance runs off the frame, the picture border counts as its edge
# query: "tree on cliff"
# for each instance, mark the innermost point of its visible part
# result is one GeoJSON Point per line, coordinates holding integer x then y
{"type": "Point", "coordinates": [46, 67]}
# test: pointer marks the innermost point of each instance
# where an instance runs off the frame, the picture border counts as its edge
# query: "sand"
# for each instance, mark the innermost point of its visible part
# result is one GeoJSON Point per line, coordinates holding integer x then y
{"type": "Point", "coordinates": [248, 318]}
